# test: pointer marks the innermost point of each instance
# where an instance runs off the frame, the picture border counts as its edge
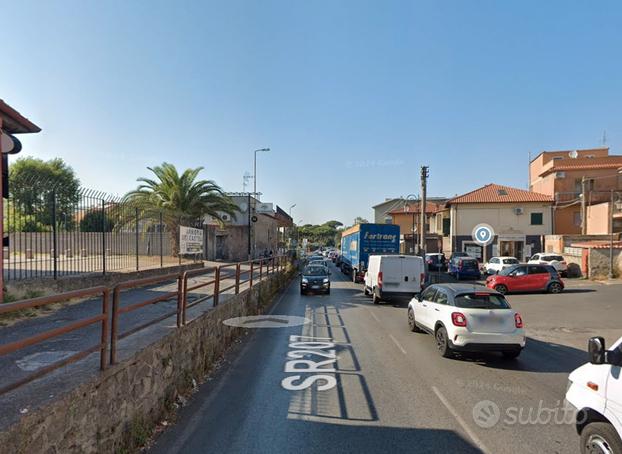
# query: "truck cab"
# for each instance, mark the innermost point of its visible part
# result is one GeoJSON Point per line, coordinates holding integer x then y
{"type": "Point", "coordinates": [595, 391]}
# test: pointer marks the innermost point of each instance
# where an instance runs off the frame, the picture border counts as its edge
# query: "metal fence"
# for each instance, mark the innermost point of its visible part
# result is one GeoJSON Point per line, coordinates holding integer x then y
{"type": "Point", "coordinates": [53, 235]}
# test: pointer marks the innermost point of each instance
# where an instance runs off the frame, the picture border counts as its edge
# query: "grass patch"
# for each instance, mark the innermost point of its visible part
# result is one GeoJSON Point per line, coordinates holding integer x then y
{"type": "Point", "coordinates": [12, 317]}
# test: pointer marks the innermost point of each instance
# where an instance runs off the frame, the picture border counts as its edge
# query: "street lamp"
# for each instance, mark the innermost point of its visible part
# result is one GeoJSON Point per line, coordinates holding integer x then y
{"type": "Point", "coordinates": [290, 210]}
{"type": "Point", "coordinates": [412, 198]}
{"type": "Point", "coordinates": [255, 170]}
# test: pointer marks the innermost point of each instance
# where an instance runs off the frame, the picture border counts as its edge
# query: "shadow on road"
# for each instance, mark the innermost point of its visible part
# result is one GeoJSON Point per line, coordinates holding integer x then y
{"type": "Point", "coordinates": [538, 356]}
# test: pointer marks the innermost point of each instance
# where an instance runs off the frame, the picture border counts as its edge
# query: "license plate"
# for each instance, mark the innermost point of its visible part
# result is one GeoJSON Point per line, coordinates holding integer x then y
{"type": "Point", "coordinates": [315, 287]}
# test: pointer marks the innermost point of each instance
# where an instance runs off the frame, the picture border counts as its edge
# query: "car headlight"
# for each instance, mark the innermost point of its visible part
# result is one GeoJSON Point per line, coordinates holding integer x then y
{"type": "Point", "coordinates": [326, 280]}
{"type": "Point", "coordinates": [305, 280]}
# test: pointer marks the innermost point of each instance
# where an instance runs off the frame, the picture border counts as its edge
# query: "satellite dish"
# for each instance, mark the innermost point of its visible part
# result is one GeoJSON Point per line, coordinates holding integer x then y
{"type": "Point", "coordinates": [573, 154]}
{"type": "Point", "coordinates": [243, 207]}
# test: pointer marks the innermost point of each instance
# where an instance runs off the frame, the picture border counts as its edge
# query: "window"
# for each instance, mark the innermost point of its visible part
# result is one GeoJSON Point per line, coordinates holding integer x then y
{"type": "Point", "coordinates": [481, 301]}
{"type": "Point", "coordinates": [428, 294]}
{"type": "Point", "coordinates": [510, 262]}
{"type": "Point", "coordinates": [537, 269]}
{"type": "Point", "coordinates": [536, 219]}
{"type": "Point", "coordinates": [502, 192]}
{"type": "Point", "coordinates": [441, 298]}
{"type": "Point", "coordinates": [494, 260]}
{"type": "Point", "coordinates": [577, 218]}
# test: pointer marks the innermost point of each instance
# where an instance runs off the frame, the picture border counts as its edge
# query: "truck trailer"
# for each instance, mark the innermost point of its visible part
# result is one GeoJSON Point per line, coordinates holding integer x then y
{"type": "Point", "coordinates": [361, 241]}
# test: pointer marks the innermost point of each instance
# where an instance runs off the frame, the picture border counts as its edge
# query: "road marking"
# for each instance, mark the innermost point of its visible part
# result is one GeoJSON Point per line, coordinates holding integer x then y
{"type": "Point", "coordinates": [373, 315]}
{"type": "Point", "coordinates": [460, 421]}
{"type": "Point", "coordinates": [397, 344]}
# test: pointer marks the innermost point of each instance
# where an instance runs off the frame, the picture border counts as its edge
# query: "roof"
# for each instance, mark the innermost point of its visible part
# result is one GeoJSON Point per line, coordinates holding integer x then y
{"type": "Point", "coordinates": [584, 150]}
{"type": "Point", "coordinates": [14, 122]}
{"type": "Point", "coordinates": [465, 288]}
{"type": "Point", "coordinates": [495, 193]}
{"type": "Point", "coordinates": [605, 162]}
{"type": "Point", "coordinates": [430, 207]}
{"type": "Point", "coordinates": [386, 201]}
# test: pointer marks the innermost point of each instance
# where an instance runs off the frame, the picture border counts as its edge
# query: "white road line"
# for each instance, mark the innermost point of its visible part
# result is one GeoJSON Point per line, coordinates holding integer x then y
{"type": "Point", "coordinates": [464, 426]}
{"type": "Point", "coordinates": [373, 315]}
{"type": "Point", "coordinates": [397, 344]}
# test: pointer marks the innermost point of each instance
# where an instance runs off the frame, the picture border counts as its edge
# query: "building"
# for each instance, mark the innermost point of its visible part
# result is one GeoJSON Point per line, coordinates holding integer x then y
{"type": "Point", "coordinates": [408, 217]}
{"type": "Point", "coordinates": [11, 122]}
{"type": "Point", "coordinates": [383, 209]}
{"type": "Point", "coordinates": [565, 175]}
{"type": "Point", "coordinates": [519, 218]}
{"type": "Point", "coordinates": [253, 232]}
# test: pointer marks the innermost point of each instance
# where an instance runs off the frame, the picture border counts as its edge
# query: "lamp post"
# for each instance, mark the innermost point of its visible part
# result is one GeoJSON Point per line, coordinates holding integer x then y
{"type": "Point", "coordinates": [412, 198]}
{"type": "Point", "coordinates": [290, 210]}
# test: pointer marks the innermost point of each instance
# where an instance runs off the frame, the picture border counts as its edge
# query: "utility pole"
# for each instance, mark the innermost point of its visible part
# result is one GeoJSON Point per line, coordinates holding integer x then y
{"type": "Point", "coordinates": [583, 206]}
{"type": "Point", "coordinates": [422, 212]}
{"type": "Point", "coordinates": [611, 207]}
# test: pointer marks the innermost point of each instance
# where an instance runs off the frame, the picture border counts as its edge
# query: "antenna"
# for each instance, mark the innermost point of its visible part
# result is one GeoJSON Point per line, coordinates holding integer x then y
{"type": "Point", "coordinates": [604, 139]}
{"type": "Point", "coordinates": [573, 154]}
{"type": "Point", "coordinates": [247, 176]}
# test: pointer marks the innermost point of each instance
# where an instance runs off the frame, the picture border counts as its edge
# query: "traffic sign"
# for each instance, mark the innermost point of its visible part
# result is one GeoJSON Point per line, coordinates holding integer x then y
{"type": "Point", "coordinates": [254, 218]}
{"type": "Point", "coordinates": [483, 234]}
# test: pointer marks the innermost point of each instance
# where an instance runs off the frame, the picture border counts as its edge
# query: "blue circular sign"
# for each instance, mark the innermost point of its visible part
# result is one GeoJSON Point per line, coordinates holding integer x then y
{"type": "Point", "coordinates": [483, 234]}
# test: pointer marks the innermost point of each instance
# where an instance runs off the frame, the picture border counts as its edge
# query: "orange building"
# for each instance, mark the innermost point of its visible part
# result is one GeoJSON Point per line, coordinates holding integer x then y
{"type": "Point", "coordinates": [408, 217]}
{"type": "Point", "coordinates": [560, 174]}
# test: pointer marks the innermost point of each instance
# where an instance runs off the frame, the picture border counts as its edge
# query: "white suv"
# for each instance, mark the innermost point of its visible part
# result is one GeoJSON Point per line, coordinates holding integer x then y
{"type": "Point", "coordinates": [555, 260]}
{"type": "Point", "coordinates": [595, 390]}
{"type": "Point", "coordinates": [496, 264]}
{"type": "Point", "coordinates": [466, 317]}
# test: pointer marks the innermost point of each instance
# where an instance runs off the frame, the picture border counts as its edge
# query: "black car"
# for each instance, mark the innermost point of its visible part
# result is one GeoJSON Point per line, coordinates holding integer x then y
{"type": "Point", "coordinates": [316, 279]}
{"type": "Point", "coordinates": [436, 261]}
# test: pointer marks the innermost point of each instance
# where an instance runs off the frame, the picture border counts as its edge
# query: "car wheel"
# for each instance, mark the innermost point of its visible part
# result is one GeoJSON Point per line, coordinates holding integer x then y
{"type": "Point", "coordinates": [375, 298]}
{"type": "Point", "coordinates": [366, 290]}
{"type": "Point", "coordinates": [501, 289]}
{"type": "Point", "coordinates": [555, 287]}
{"type": "Point", "coordinates": [442, 343]}
{"type": "Point", "coordinates": [302, 292]}
{"type": "Point", "coordinates": [411, 321]}
{"type": "Point", "coordinates": [511, 355]}
{"type": "Point", "coordinates": [600, 437]}
{"type": "Point", "coordinates": [328, 292]}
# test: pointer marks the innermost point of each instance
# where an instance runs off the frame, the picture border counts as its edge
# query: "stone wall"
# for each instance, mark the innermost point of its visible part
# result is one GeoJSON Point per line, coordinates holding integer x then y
{"type": "Point", "coordinates": [599, 263]}
{"type": "Point", "coordinates": [116, 410]}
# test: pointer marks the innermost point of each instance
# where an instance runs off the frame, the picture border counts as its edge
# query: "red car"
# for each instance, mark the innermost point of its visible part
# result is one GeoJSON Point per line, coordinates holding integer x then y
{"type": "Point", "coordinates": [526, 278]}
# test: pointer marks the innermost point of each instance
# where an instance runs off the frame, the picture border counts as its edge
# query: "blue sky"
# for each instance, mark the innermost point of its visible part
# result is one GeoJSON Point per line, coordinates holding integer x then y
{"type": "Point", "coordinates": [351, 96]}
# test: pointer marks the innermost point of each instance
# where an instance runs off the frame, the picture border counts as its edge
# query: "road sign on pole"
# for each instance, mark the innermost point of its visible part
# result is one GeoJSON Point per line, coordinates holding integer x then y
{"type": "Point", "coordinates": [483, 234]}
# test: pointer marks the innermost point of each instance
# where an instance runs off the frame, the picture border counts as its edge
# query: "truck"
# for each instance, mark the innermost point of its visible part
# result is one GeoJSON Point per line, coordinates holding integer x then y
{"type": "Point", "coordinates": [361, 241]}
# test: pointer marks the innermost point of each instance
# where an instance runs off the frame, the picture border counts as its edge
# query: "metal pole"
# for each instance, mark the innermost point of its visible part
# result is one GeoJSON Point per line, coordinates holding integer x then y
{"type": "Point", "coordinates": [413, 232]}
{"type": "Point", "coordinates": [249, 227]}
{"type": "Point", "coordinates": [103, 237]}
{"type": "Point", "coordinates": [422, 230]}
{"type": "Point", "coordinates": [610, 276]}
{"type": "Point", "coordinates": [255, 174]}
{"type": "Point", "coordinates": [54, 235]}
{"type": "Point", "coordinates": [161, 243]}
{"type": "Point", "coordinates": [583, 208]}
{"type": "Point", "coordinates": [1, 228]}
{"type": "Point", "coordinates": [136, 225]}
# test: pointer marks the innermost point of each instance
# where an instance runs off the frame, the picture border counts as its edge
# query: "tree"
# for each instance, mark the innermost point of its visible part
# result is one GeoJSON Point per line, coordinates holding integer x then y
{"type": "Point", "coordinates": [360, 220]}
{"type": "Point", "coordinates": [180, 198]}
{"type": "Point", "coordinates": [35, 185]}
{"type": "Point", "coordinates": [322, 235]}
{"type": "Point", "coordinates": [92, 221]}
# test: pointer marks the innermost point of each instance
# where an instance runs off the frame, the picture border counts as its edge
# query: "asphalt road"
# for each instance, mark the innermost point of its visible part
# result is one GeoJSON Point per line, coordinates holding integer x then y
{"type": "Point", "coordinates": [390, 389]}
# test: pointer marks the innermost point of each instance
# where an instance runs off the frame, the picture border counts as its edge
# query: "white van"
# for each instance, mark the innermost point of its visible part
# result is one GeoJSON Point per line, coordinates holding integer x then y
{"type": "Point", "coordinates": [595, 390]}
{"type": "Point", "coordinates": [390, 276]}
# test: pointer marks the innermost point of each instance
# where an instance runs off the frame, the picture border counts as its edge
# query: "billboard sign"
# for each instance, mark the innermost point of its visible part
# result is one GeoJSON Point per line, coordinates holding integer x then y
{"type": "Point", "coordinates": [190, 240]}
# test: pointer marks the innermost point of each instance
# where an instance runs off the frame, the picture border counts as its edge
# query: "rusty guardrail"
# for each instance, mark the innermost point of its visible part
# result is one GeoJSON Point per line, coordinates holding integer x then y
{"type": "Point", "coordinates": [253, 272]}
{"type": "Point", "coordinates": [41, 337]}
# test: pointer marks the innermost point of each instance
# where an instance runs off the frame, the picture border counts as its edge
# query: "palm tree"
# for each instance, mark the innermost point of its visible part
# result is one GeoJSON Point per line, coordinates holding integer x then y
{"type": "Point", "coordinates": [180, 198]}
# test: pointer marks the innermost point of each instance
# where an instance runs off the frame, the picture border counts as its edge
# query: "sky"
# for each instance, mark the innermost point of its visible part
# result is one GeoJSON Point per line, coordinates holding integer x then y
{"type": "Point", "coordinates": [352, 97]}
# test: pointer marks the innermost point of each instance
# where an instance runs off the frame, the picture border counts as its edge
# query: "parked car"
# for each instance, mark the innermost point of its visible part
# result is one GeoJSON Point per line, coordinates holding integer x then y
{"type": "Point", "coordinates": [496, 264]}
{"type": "Point", "coordinates": [595, 391]}
{"type": "Point", "coordinates": [393, 276]}
{"type": "Point", "coordinates": [526, 278]}
{"type": "Point", "coordinates": [555, 260]}
{"type": "Point", "coordinates": [315, 278]}
{"type": "Point", "coordinates": [457, 255]}
{"type": "Point", "coordinates": [436, 261]}
{"type": "Point", "coordinates": [464, 267]}
{"type": "Point", "coordinates": [466, 317]}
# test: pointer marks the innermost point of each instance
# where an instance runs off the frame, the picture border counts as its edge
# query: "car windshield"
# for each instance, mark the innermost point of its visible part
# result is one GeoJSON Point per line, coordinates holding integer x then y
{"type": "Point", "coordinates": [507, 271]}
{"type": "Point", "coordinates": [481, 301]}
{"type": "Point", "coordinates": [314, 271]}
